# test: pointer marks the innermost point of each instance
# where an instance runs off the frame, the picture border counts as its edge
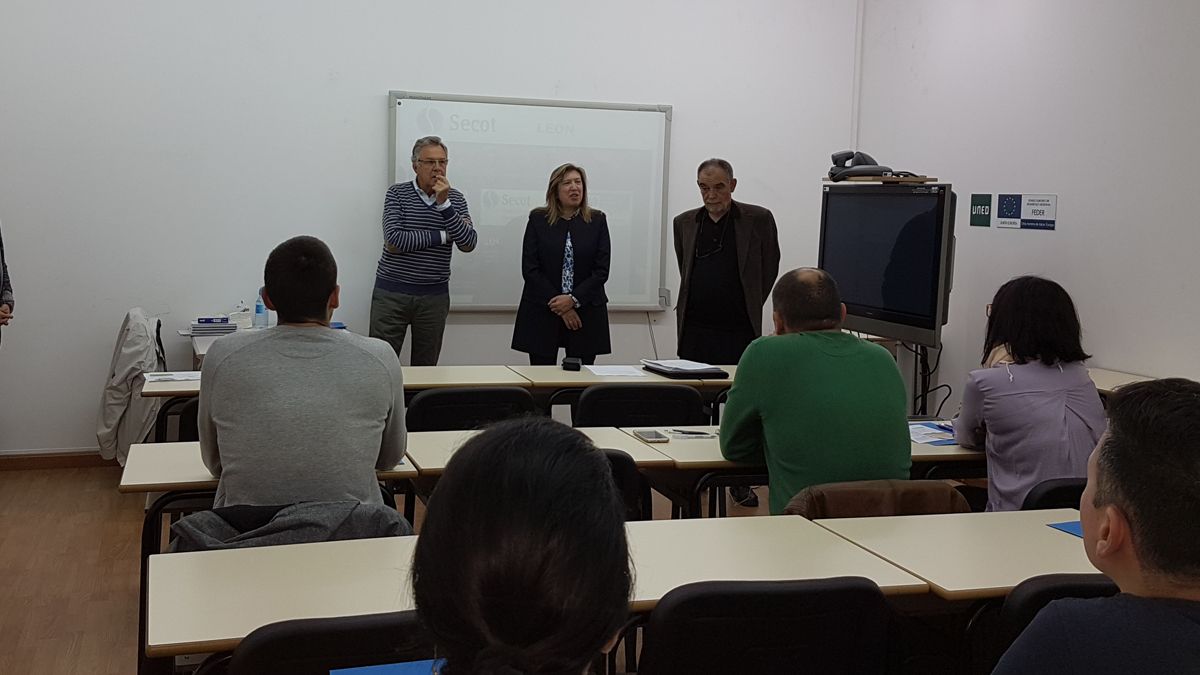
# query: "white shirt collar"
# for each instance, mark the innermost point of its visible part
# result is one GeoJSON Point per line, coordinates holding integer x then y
{"type": "Point", "coordinates": [429, 201]}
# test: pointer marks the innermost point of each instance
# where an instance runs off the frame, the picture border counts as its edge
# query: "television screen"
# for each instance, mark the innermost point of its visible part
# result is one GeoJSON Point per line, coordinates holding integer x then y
{"type": "Point", "coordinates": [884, 245]}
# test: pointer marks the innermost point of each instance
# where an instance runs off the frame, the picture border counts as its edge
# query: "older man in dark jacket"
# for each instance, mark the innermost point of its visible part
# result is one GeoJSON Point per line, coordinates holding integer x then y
{"type": "Point", "coordinates": [728, 254]}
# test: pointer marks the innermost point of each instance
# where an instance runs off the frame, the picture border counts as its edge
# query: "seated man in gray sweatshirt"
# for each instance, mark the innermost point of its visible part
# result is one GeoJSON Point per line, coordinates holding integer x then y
{"type": "Point", "coordinates": [300, 412]}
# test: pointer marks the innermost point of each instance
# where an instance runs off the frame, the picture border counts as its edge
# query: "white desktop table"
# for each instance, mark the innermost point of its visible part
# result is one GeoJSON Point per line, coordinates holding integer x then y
{"type": "Point", "coordinates": [167, 467]}
{"type": "Point", "coordinates": [209, 601]}
{"type": "Point", "coordinates": [1107, 381]}
{"type": "Point", "coordinates": [705, 453]}
{"type": "Point", "coordinates": [431, 450]}
{"type": "Point", "coordinates": [554, 377]}
{"type": "Point", "coordinates": [416, 378]}
{"type": "Point", "coordinates": [971, 555]}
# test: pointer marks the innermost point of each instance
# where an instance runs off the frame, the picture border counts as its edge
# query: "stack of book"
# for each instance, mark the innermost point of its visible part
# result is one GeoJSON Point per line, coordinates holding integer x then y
{"type": "Point", "coordinates": [212, 325]}
{"type": "Point", "coordinates": [682, 369]}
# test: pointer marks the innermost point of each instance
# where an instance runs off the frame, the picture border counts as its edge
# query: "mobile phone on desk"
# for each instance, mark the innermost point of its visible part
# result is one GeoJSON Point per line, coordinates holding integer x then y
{"type": "Point", "coordinates": [650, 436]}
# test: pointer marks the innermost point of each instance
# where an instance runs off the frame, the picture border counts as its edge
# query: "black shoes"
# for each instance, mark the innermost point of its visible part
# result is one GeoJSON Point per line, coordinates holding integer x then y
{"type": "Point", "coordinates": [744, 496]}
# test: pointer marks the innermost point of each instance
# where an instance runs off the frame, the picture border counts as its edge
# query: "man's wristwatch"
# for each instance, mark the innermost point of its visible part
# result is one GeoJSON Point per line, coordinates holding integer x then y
{"type": "Point", "coordinates": [574, 300]}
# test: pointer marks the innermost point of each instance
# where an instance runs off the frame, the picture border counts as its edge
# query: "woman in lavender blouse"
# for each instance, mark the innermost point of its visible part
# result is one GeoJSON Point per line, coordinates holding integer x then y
{"type": "Point", "coordinates": [1032, 406]}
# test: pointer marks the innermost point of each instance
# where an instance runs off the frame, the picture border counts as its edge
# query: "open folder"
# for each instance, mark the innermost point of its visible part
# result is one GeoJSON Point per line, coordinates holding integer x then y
{"type": "Point", "coordinates": [682, 369]}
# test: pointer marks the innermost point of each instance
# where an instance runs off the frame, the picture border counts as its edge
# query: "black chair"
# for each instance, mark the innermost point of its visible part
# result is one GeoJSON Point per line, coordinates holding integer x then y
{"type": "Point", "coordinates": [458, 408]}
{"type": "Point", "coordinates": [174, 504]}
{"type": "Point", "coordinates": [838, 625]}
{"type": "Point", "coordinates": [186, 411]}
{"type": "Point", "coordinates": [1056, 493]}
{"type": "Point", "coordinates": [648, 405]}
{"type": "Point", "coordinates": [635, 491]}
{"type": "Point", "coordinates": [317, 646]}
{"type": "Point", "coordinates": [1030, 596]}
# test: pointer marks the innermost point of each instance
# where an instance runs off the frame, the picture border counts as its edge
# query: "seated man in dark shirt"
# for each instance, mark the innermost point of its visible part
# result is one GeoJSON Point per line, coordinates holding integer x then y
{"type": "Point", "coordinates": [1141, 527]}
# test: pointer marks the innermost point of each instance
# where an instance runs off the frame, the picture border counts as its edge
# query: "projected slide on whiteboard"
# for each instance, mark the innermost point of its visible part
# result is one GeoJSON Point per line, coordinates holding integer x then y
{"type": "Point", "coordinates": [501, 154]}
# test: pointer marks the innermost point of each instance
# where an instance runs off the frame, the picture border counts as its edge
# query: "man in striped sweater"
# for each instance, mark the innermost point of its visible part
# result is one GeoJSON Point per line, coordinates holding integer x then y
{"type": "Point", "coordinates": [6, 294]}
{"type": "Point", "coordinates": [421, 219]}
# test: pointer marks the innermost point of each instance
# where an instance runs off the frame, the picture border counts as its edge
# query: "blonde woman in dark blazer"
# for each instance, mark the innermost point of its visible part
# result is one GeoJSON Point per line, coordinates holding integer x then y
{"type": "Point", "coordinates": [564, 261]}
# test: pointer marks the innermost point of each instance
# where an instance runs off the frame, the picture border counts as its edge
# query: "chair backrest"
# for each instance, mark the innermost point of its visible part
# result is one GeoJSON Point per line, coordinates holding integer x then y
{"type": "Point", "coordinates": [864, 498]}
{"type": "Point", "coordinates": [640, 405]}
{"type": "Point", "coordinates": [316, 646]}
{"type": "Point", "coordinates": [189, 415]}
{"type": "Point", "coordinates": [838, 625]}
{"type": "Point", "coordinates": [1056, 493]}
{"type": "Point", "coordinates": [1030, 596]}
{"type": "Point", "coordinates": [186, 412]}
{"type": "Point", "coordinates": [459, 408]}
{"type": "Point", "coordinates": [635, 491]}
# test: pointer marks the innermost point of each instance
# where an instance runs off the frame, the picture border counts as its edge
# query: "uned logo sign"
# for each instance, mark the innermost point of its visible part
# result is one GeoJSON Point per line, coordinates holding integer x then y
{"type": "Point", "coordinates": [429, 121]}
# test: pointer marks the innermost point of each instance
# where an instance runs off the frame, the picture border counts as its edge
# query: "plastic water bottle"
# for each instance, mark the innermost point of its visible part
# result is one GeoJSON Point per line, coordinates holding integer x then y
{"type": "Point", "coordinates": [260, 313]}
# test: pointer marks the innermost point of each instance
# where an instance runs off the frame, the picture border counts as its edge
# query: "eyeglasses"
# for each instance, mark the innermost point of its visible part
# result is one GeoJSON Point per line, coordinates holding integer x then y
{"type": "Point", "coordinates": [718, 244]}
{"type": "Point", "coordinates": [433, 162]}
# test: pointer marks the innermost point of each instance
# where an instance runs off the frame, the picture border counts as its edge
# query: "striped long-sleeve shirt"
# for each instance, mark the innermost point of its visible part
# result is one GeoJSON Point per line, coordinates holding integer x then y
{"type": "Point", "coordinates": [6, 294]}
{"type": "Point", "coordinates": [417, 240]}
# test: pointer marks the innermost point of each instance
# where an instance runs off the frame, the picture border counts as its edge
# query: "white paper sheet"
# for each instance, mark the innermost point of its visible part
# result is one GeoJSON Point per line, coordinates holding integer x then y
{"type": "Point", "coordinates": [616, 371]}
{"type": "Point", "coordinates": [177, 376]}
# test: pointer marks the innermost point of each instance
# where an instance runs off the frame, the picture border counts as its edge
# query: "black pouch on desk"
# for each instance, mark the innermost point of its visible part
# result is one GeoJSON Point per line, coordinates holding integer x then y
{"type": "Point", "coordinates": [713, 373]}
{"type": "Point", "coordinates": [572, 363]}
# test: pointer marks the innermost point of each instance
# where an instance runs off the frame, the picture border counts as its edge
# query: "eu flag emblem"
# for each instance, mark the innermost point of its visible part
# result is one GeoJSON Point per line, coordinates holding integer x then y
{"type": "Point", "coordinates": [1010, 206]}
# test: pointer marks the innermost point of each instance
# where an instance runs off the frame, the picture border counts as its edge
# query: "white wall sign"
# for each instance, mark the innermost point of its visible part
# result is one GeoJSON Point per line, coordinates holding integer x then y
{"type": "Point", "coordinates": [1027, 212]}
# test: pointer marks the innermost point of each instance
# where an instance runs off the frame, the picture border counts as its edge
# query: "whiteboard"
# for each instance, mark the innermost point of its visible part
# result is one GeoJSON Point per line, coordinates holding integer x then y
{"type": "Point", "coordinates": [502, 151]}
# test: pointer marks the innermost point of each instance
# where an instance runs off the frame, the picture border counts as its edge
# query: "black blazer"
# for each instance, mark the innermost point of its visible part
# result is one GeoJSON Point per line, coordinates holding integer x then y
{"type": "Point", "coordinates": [537, 329]}
{"type": "Point", "coordinates": [758, 259]}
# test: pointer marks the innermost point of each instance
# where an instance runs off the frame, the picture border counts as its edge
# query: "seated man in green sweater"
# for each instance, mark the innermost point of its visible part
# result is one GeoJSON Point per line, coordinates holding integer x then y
{"type": "Point", "coordinates": [814, 404]}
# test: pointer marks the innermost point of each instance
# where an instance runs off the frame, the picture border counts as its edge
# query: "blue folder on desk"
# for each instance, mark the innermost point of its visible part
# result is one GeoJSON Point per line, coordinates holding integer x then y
{"type": "Point", "coordinates": [1070, 527]}
{"type": "Point", "coordinates": [938, 427]}
{"type": "Point", "coordinates": [410, 668]}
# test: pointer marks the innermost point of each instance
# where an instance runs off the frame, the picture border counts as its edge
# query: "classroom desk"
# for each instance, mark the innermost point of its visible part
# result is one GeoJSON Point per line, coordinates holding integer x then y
{"type": "Point", "coordinates": [209, 601]}
{"type": "Point", "coordinates": [705, 453]}
{"type": "Point", "coordinates": [187, 388]}
{"type": "Point", "coordinates": [431, 450]}
{"type": "Point", "coordinates": [168, 467]}
{"type": "Point", "coordinates": [698, 463]}
{"type": "Point", "coordinates": [435, 377]}
{"type": "Point", "coordinates": [416, 378]}
{"type": "Point", "coordinates": [554, 377]}
{"type": "Point", "coordinates": [200, 345]}
{"type": "Point", "coordinates": [1108, 380]}
{"type": "Point", "coordinates": [971, 555]}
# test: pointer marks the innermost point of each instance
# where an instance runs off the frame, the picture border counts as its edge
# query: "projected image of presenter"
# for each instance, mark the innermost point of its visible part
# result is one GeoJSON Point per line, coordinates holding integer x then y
{"type": "Point", "coordinates": [564, 261]}
{"type": "Point", "coordinates": [423, 219]}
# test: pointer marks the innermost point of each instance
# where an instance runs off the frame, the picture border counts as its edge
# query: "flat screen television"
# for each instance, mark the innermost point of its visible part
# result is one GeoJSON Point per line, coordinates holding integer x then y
{"type": "Point", "coordinates": [890, 248]}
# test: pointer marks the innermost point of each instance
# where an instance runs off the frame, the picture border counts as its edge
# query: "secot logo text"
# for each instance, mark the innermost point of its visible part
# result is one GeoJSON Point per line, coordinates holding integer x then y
{"type": "Point", "coordinates": [459, 123]}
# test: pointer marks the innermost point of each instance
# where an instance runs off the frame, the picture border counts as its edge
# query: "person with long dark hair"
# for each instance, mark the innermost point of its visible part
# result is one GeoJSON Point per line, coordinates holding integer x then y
{"type": "Point", "coordinates": [1032, 406]}
{"type": "Point", "coordinates": [564, 261]}
{"type": "Point", "coordinates": [522, 565]}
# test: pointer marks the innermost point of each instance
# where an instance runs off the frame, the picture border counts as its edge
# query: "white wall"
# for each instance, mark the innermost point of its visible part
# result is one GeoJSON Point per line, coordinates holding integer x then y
{"type": "Point", "coordinates": [152, 153]}
{"type": "Point", "coordinates": [1094, 101]}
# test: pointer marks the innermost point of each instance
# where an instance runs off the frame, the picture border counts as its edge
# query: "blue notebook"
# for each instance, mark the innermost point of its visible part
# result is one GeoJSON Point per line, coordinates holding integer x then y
{"type": "Point", "coordinates": [939, 427]}
{"type": "Point", "coordinates": [410, 668]}
{"type": "Point", "coordinates": [1070, 527]}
